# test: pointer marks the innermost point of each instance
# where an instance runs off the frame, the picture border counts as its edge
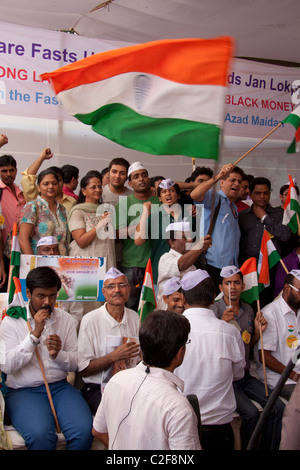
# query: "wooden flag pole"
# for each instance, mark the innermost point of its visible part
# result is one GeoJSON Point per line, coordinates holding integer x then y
{"type": "Point", "coordinates": [16, 281]}
{"type": "Point", "coordinates": [262, 351]}
{"type": "Point", "coordinates": [258, 143]}
{"type": "Point", "coordinates": [46, 383]}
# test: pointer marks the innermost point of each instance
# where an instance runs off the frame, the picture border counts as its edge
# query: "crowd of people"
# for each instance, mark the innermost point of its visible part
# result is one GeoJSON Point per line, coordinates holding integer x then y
{"type": "Point", "coordinates": [133, 378]}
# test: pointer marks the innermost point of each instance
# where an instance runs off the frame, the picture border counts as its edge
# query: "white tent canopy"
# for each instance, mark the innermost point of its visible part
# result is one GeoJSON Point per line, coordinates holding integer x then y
{"type": "Point", "coordinates": [267, 30]}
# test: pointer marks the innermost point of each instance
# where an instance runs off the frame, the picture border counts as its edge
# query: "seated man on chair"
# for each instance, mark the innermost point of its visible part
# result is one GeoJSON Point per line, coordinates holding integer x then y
{"type": "Point", "coordinates": [53, 334]}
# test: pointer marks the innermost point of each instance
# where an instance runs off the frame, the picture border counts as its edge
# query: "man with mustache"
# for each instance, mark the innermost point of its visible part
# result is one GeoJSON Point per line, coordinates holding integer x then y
{"type": "Point", "coordinates": [232, 309]}
{"type": "Point", "coordinates": [252, 222]}
{"type": "Point", "coordinates": [106, 341]}
{"type": "Point", "coordinates": [12, 200]}
{"type": "Point", "coordinates": [282, 336]}
{"type": "Point", "coordinates": [224, 250]}
{"type": "Point", "coordinates": [53, 334]}
{"type": "Point", "coordinates": [172, 295]}
{"type": "Point", "coordinates": [128, 215]}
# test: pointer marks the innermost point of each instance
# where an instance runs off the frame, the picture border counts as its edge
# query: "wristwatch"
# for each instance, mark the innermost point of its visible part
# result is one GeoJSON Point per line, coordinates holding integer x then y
{"type": "Point", "coordinates": [34, 339]}
{"type": "Point", "coordinates": [263, 218]}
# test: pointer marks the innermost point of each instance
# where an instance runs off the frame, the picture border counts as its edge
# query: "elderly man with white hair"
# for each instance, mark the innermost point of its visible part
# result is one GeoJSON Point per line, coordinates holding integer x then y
{"type": "Point", "coordinates": [181, 256]}
{"type": "Point", "coordinates": [108, 338]}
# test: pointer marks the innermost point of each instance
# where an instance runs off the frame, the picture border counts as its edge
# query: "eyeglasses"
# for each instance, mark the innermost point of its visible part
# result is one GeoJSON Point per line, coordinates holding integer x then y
{"type": "Point", "coordinates": [295, 288]}
{"type": "Point", "coordinates": [114, 286]}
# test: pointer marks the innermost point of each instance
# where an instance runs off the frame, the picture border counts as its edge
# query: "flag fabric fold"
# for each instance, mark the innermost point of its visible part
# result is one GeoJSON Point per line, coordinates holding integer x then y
{"type": "Point", "coordinates": [291, 212]}
{"type": "Point", "coordinates": [147, 301]}
{"type": "Point", "coordinates": [268, 257]}
{"type": "Point", "coordinates": [250, 279]}
{"type": "Point", "coordinates": [15, 262]}
{"type": "Point", "coordinates": [16, 307]}
{"type": "Point", "coordinates": [294, 119]}
{"type": "Point", "coordinates": [164, 97]}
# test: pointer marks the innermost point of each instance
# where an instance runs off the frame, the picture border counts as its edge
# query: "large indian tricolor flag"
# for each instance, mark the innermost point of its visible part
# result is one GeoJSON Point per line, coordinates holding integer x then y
{"type": "Point", "coordinates": [164, 97]}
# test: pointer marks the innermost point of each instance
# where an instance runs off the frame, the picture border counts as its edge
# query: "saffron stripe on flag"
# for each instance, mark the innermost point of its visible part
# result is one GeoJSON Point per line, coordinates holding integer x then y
{"type": "Point", "coordinates": [190, 61]}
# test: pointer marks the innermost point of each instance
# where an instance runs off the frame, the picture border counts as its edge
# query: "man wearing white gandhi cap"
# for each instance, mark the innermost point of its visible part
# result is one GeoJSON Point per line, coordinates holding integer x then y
{"type": "Point", "coordinates": [172, 295]}
{"type": "Point", "coordinates": [48, 246]}
{"type": "Point", "coordinates": [107, 340]}
{"type": "Point", "coordinates": [128, 214]}
{"type": "Point", "coordinates": [213, 359]}
{"type": "Point", "coordinates": [282, 336]}
{"type": "Point", "coordinates": [230, 308]}
{"type": "Point", "coordinates": [181, 256]}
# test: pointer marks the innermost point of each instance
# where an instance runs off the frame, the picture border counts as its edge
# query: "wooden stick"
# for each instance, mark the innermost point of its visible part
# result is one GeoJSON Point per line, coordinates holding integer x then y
{"type": "Point", "coordinates": [284, 266]}
{"type": "Point", "coordinates": [262, 351]}
{"type": "Point", "coordinates": [298, 224]}
{"type": "Point", "coordinates": [258, 143]}
{"type": "Point", "coordinates": [46, 383]}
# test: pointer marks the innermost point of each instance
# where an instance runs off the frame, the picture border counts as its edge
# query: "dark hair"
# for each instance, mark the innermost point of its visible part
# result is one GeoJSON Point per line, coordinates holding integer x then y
{"type": "Point", "coordinates": [57, 170]}
{"type": "Point", "coordinates": [239, 272]}
{"type": "Point", "coordinates": [248, 178]}
{"type": "Point", "coordinates": [161, 336]}
{"type": "Point", "coordinates": [259, 180]}
{"type": "Point", "coordinates": [42, 277]}
{"type": "Point", "coordinates": [154, 179]}
{"type": "Point", "coordinates": [119, 161]}
{"type": "Point", "coordinates": [237, 170]}
{"type": "Point", "coordinates": [286, 186]}
{"type": "Point", "coordinates": [289, 279]}
{"type": "Point", "coordinates": [104, 171]}
{"type": "Point", "coordinates": [202, 294]}
{"type": "Point", "coordinates": [69, 172]}
{"type": "Point", "coordinates": [85, 181]}
{"type": "Point", "coordinates": [8, 160]}
{"type": "Point", "coordinates": [48, 171]}
{"type": "Point", "coordinates": [201, 170]}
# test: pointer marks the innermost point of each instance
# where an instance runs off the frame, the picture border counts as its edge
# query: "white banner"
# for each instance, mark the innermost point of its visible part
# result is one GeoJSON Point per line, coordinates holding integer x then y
{"type": "Point", "coordinates": [257, 99]}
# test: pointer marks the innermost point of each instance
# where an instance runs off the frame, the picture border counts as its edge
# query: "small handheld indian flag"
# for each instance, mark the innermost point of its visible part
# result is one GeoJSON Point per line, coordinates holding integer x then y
{"type": "Point", "coordinates": [164, 97]}
{"type": "Point", "coordinates": [291, 212]}
{"type": "Point", "coordinates": [294, 119]}
{"type": "Point", "coordinates": [15, 261]}
{"type": "Point", "coordinates": [268, 257]}
{"type": "Point", "coordinates": [16, 307]}
{"type": "Point", "coordinates": [147, 299]}
{"type": "Point", "coordinates": [250, 279]}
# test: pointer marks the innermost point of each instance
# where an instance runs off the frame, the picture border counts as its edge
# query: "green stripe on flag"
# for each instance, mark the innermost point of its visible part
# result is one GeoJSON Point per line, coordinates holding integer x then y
{"type": "Point", "coordinates": [293, 119]}
{"type": "Point", "coordinates": [157, 136]}
{"type": "Point", "coordinates": [147, 302]}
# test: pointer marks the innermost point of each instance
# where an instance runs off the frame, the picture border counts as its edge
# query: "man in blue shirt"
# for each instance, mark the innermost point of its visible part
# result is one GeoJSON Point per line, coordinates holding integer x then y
{"type": "Point", "coordinates": [226, 233]}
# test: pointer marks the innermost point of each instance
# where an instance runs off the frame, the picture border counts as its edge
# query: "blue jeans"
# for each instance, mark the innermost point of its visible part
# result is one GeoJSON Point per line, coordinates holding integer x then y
{"type": "Point", "coordinates": [250, 388]}
{"type": "Point", "coordinates": [30, 413]}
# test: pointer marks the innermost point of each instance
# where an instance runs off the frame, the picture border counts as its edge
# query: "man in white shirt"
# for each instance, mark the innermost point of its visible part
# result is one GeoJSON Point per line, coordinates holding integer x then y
{"type": "Point", "coordinates": [181, 257]}
{"type": "Point", "coordinates": [143, 408]}
{"type": "Point", "coordinates": [54, 335]}
{"type": "Point", "coordinates": [282, 336]}
{"type": "Point", "coordinates": [214, 358]}
{"type": "Point", "coordinates": [107, 340]}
